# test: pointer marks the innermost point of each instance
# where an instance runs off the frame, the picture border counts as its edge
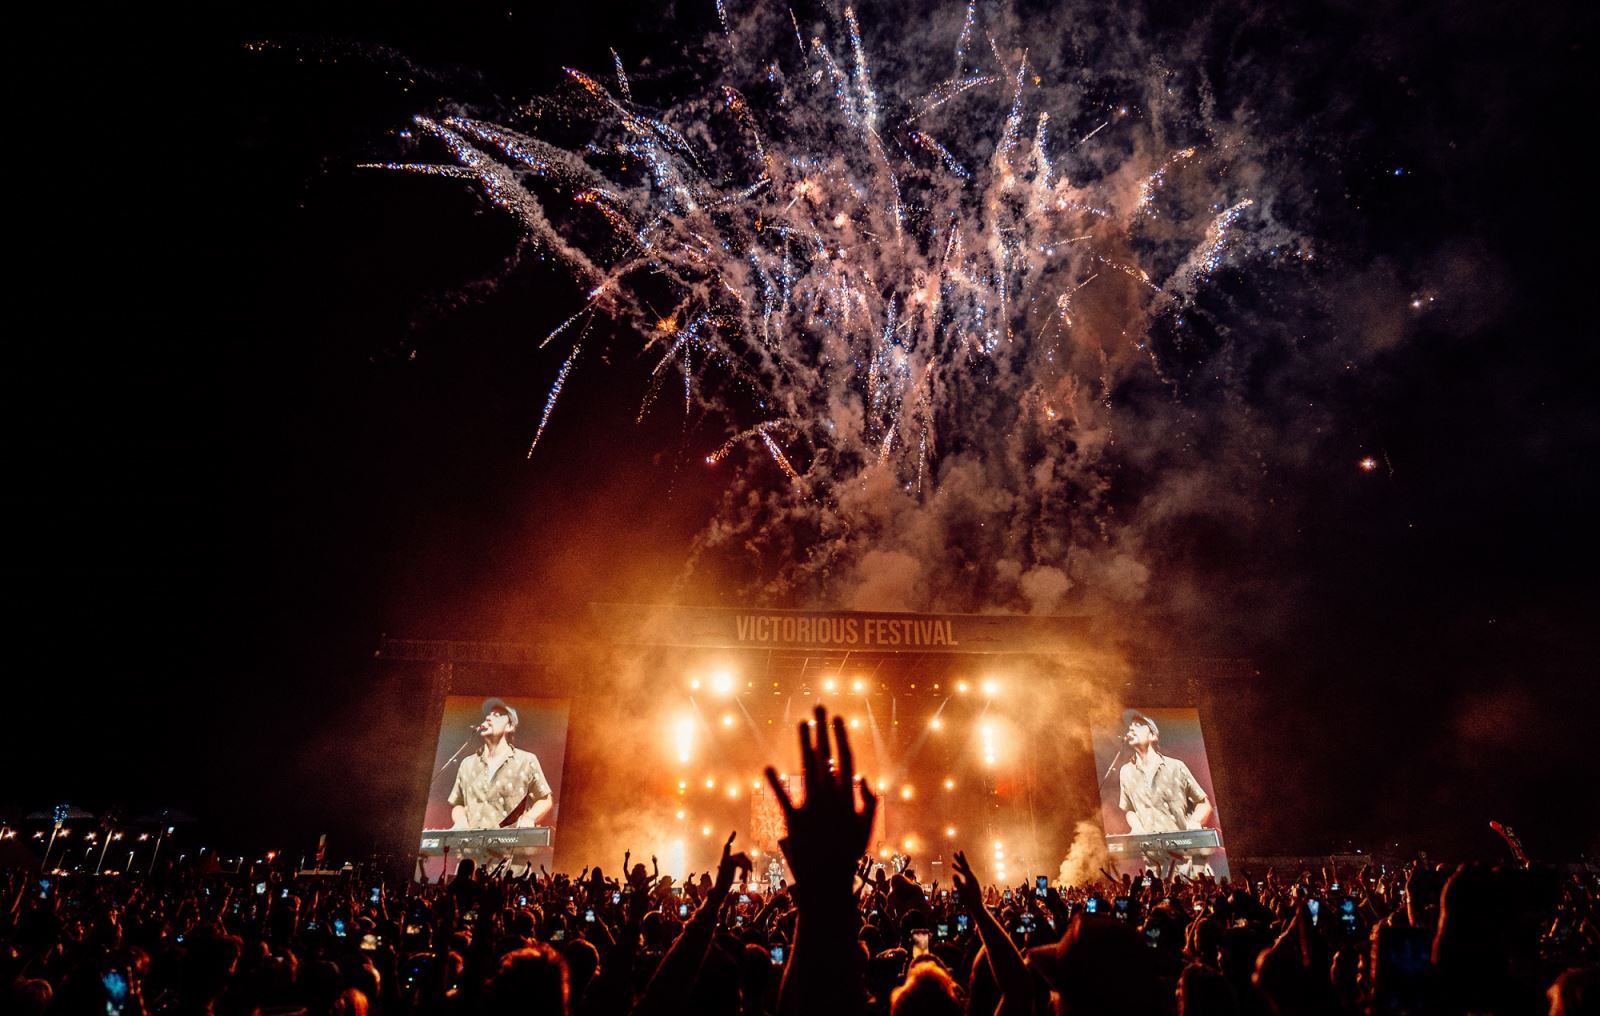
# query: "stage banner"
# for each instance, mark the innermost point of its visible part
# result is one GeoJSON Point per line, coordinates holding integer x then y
{"type": "Point", "coordinates": [1157, 804]}
{"type": "Point", "coordinates": [496, 788]}
{"type": "Point", "coordinates": [860, 631]}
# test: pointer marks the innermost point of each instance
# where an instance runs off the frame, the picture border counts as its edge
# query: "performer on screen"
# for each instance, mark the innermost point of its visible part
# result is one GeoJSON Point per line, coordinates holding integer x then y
{"type": "Point", "coordinates": [500, 785]}
{"type": "Point", "coordinates": [1159, 793]}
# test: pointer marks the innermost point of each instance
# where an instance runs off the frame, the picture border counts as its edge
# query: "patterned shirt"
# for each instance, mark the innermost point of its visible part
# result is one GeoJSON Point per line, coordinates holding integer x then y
{"type": "Point", "coordinates": [489, 795]}
{"type": "Point", "coordinates": [1160, 796]}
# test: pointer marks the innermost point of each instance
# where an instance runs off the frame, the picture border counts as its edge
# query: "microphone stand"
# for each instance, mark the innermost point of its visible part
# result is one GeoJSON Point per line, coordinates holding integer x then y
{"type": "Point", "coordinates": [459, 752]}
{"type": "Point", "coordinates": [1112, 767]}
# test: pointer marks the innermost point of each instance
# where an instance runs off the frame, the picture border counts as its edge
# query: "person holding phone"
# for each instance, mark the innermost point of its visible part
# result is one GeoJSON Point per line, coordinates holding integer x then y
{"type": "Point", "coordinates": [500, 785]}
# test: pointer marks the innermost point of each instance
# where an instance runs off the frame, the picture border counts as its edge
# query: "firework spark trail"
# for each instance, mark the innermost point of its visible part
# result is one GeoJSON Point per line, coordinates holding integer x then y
{"type": "Point", "coordinates": [550, 399]}
{"type": "Point", "coordinates": [885, 294]}
{"type": "Point", "coordinates": [743, 436]}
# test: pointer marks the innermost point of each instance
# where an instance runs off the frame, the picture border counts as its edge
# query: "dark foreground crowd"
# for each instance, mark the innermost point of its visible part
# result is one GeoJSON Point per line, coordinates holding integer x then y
{"type": "Point", "coordinates": [837, 941]}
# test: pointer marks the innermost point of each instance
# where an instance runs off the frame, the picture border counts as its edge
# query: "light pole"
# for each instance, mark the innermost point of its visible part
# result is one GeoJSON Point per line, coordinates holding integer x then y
{"type": "Point", "coordinates": [105, 847]}
{"type": "Point", "coordinates": [163, 834]}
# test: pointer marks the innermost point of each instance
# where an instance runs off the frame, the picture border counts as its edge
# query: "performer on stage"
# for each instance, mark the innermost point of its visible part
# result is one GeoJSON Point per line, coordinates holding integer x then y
{"type": "Point", "coordinates": [1159, 793]}
{"type": "Point", "coordinates": [501, 785]}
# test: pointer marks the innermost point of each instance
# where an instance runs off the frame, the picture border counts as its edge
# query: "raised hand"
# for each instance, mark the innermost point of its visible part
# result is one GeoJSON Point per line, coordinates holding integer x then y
{"type": "Point", "coordinates": [826, 833]}
{"type": "Point", "coordinates": [968, 889]}
{"type": "Point", "coordinates": [728, 866]}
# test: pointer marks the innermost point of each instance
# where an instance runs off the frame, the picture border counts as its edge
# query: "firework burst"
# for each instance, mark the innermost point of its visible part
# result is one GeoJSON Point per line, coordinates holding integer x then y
{"type": "Point", "coordinates": [898, 288]}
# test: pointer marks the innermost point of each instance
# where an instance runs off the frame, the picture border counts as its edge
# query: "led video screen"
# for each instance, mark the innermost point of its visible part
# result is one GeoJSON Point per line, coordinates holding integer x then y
{"type": "Point", "coordinates": [496, 788]}
{"type": "Point", "coordinates": [1157, 804]}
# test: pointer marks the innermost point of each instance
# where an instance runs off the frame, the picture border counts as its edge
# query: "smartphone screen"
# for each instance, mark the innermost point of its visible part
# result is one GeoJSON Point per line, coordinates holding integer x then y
{"type": "Point", "coordinates": [261, 888]}
{"type": "Point", "coordinates": [1040, 885]}
{"type": "Point", "coordinates": [683, 910]}
{"type": "Point", "coordinates": [1006, 895]}
{"type": "Point", "coordinates": [616, 898]}
{"type": "Point", "coordinates": [942, 929]}
{"type": "Point", "coordinates": [116, 985]}
{"type": "Point", "coordinates": [963, 922]}
{"type": "Point", "coordinates": [373, 896]}
{"type": "Point", "coordinates": [588, 916]}
{"type": "Point", "coordinates": [919, 943]}
{"type": "Point", "coordinates": [777, 955]}
{"type": "Point", "coordinates": [338, 926]}
{"type": "Point", "coordinates": [1092, 906]}
{"type": "Point", "coordinates": [1147, 881]}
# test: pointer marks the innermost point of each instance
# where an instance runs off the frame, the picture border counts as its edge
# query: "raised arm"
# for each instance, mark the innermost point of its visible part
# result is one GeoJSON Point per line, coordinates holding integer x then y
{"type": "Point", "coordinates": [675, 978]}
{"type": "Point", "coordinates": [1005, 961]}
{"type": "Point", "coordinates": [826, 835]}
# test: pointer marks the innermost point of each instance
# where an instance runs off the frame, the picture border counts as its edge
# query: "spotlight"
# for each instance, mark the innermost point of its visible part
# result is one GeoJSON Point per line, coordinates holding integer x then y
{"type": "Point", "coordinates": [733, 791]}
{"type": "Point", "coordinates": [683, 785]}
{"type": "Point", "coordinates": [683, 736]}
{"type": "Point", "coordinates": [705, 830]}
{"type": "Point", "coordinates": [936, 723]}
{"type": "Point", "coordinates": [949, 784]}
{"type": "Point", "coordinates": [963, 687]}
{"type": "Point", "coordinates": [680, 814]}
{"type": "Point", "coordinates": [694, 684]}
{"type": "Point", "coordinates": [908, 844]}
{"type": "Point", "coordinates": [858, 686]}
{"type": "Point", "coordinates": [905, 792]}
{"type": "Point", "coordinates": [829, 685]}
{"type": "Point", "coordinates": [727, 719]}
{"type": "Point", "coordinates": [722, 682]}
{"type": "Point", "coordinates": [991, 687]}
{"type": "Point", "coordinates": [711, 784]}
{"type": "Point", "coordinates": [950, 831]}
{"type": "Point", "coordinates": [855, 723]}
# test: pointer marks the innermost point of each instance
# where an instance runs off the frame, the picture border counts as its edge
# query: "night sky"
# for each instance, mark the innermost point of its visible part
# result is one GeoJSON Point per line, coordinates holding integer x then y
{"type": "Point", "coordinates": [259, 409]}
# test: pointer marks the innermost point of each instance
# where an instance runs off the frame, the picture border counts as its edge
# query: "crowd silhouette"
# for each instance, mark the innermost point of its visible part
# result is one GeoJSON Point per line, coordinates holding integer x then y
{"type": "Point", "coordinates": [842, 939]}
